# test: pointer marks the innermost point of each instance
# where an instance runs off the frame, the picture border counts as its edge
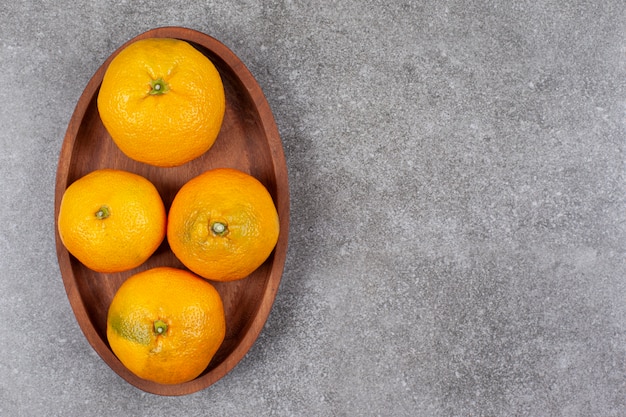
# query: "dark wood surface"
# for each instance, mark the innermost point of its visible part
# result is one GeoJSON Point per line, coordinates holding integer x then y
{"type": "Point", "coordinates": [248, 141]}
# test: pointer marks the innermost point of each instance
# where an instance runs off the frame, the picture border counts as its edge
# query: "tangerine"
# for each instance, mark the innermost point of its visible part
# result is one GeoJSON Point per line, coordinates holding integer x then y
{"type": "Point", "coordinates": [162, 101]}
{"type": "Point", "coordinates": [111, 220]}
{"type": "Point", "coordinates": [166, 324]}
{"type": "Point", "coordinates": [223, 224]}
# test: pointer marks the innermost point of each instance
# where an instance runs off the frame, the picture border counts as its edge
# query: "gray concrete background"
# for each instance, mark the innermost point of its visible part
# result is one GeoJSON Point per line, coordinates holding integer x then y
{"type": "Point", "coordinates": [458, 233]}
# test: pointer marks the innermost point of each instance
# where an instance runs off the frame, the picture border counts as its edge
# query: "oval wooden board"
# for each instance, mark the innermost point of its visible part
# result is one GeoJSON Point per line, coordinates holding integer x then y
{"type": "Point", "coordinates": [248, 141]}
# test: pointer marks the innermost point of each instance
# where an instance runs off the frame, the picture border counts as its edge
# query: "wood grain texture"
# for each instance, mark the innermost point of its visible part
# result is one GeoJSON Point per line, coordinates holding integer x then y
{"type": "Point", "coordinates": [249, 141]}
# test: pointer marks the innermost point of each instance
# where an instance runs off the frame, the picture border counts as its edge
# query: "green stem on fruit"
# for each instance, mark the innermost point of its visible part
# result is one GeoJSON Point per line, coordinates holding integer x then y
{"type": "Point", "coordinates": [160, 327]}
{"type": "Point", "coordinates": [103, 212]}
{"type": "Point", "coordinates": [158, 87]}
{"type": "Point", "coordinates": [219, 228]}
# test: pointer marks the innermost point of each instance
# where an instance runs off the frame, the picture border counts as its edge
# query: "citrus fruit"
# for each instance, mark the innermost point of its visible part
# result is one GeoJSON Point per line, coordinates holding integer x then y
{"type": "Point", "coordinates": [223, 224]}
{"type": "Point", "coordinates": [162, 101]}
{"type": "Point", "coordinates": [166, 324]}
{"type": "Point", "coordinates": [111, 220]}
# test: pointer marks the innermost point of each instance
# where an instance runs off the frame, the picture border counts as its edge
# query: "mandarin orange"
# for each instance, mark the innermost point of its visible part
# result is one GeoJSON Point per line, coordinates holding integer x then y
{"type": "Point", "coordinates": [162, 101]}
{"type": "Point", "coordinates": [223, 224]}
{"type": "Point", "coordinates": [112, 220]}
{"type": "Point", "coordinates": [166, 324]}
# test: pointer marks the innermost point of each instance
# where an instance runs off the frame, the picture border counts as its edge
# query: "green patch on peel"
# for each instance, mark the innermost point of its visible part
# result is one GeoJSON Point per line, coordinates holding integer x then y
{"type": "Point", "coordinates": [131, 330]}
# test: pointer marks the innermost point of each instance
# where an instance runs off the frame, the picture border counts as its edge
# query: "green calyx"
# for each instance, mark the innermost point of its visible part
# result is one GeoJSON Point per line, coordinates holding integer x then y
{"type": "Point", "coordinates": [160, 327]}
{"type": "Point", "coordinates": [219, 228]}
{"type": "Point", "coordinates": [103, 212]}
{"type": "Point", "coordinates": [158, 87]}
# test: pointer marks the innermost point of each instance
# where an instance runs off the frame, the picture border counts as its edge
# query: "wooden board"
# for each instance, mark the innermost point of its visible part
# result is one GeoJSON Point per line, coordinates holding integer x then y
{"type": "Point", "coordinates": [248, 141]}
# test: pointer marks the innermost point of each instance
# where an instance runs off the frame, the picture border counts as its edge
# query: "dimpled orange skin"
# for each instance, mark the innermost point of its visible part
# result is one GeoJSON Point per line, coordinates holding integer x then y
{"type": "Point", "coordinates": [162, 102]}
{"type": "Point", "coordinates": [166, 324]}
{"type": "Point", "coordinates": [112, 220]}
{"type": "Point", "coordinates": [223, 224]}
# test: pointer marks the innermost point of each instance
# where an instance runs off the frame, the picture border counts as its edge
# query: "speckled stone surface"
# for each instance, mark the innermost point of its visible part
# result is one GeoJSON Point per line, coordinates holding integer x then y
{"type": "Point", "coordinates": [458, 225]}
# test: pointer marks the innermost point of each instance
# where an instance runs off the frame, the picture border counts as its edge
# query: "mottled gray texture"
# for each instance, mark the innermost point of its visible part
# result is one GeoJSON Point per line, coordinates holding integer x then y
{"type": "Point", "coordinates": [458, 188]}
